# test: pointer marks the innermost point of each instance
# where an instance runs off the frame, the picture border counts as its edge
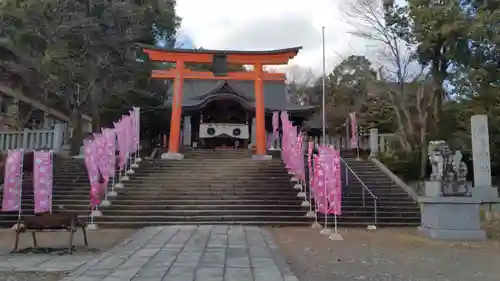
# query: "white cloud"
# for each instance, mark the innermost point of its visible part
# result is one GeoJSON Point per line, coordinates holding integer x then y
{"type": "Point", "coordinates": [271, 24]}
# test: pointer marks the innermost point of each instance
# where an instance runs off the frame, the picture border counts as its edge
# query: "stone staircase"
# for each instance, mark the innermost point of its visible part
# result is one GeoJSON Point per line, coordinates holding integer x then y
{"type": "Point", "coordinates": [207, 187]}
{"type": "Point", "coordinates": [394, 206]}
{"type": "Point", "coordinates": [221, 187]}
{"type": "Point", "coordinates": [71, 191]}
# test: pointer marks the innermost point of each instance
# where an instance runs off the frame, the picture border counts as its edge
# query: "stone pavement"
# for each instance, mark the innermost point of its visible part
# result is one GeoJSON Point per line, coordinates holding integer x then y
{"type": "Point", "coordinates": [51, 263]}
{"type": "Point", "coordinates": [190, 253]}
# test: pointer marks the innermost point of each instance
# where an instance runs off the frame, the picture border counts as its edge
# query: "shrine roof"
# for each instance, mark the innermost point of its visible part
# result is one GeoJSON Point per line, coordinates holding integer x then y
{"type": "Point", "coordinates": [197, 93]}
{"type": "Point", "coordinates": [224, 52]}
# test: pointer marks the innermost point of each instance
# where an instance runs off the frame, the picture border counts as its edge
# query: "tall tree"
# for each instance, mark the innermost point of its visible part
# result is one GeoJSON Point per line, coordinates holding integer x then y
{"type": "Point", "coordinates": [439, 31]}
{"type": "Point", "coordinates": [402, 83]}
{"type": "Point", "coordinates": [85, 50]}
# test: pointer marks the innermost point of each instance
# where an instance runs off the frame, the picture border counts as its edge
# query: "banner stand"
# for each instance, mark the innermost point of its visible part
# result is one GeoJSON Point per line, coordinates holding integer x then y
{"type": "Point", "coordinates": [119, 184]}
{"type": "Point", "coordinates": [305, 203]}
{"type": "Point", "coordinates": [134, 164]}
{"type": "Point", "coordinates": [113, 193]}
{"type": "Point", "coordinates": [129, 171]}
{"type": "Point", "coordinates": [105, 203]}
{"type": "Point", "coordinates": [137, 155]}
{"type": "Point", "coordinates": [335, 236]}
{"type": "Point", "coordinates": [310, 213]}
{"type": "Point", "coordinates": [316, 224]}
{"type": "Point", "coordinates": [301, 193]}
{"type": "Point", "coordinates": [92, 225]}
{"type": "Point", "coordinates": [125, 176]}
{"type": "Point", "coordinates": [358, 158]}
{"type": "Point", "coordinates": [325, 230]}
{"type": "Point", "coordinates": [51, 179]}
{"type": "Point", "coordinates": [93, 214]}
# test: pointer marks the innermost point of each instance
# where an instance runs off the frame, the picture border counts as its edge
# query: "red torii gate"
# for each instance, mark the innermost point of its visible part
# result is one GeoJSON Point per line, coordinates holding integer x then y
{"type": "Point", "coordinates": [255, 58]}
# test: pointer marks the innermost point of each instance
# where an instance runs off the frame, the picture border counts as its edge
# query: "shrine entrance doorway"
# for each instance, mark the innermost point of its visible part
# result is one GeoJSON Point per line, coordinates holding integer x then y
{"type": "Point", "coordinates": [224, 124]}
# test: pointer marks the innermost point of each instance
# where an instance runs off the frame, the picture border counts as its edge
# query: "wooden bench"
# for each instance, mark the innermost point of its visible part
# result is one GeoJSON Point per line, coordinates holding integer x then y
{"type": "Point", "coordinates": [65, 222]}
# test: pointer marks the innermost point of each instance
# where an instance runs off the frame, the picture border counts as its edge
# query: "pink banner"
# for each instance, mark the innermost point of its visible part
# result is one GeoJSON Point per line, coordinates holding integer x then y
{"type": "Point", "coordinates": [42, 181]}
{"type": "Point", "coordinates": [327, 181]}
{"type": "Point", "coordinates": [291, 145]}
{"type": "Point", "coordinates": [89, 148]}
{"type": "Point", "coordinates": [101, 155]}
{"type": "Point", "coordinates": [12, 190]}
{"type": "Point", "coordinates": [110, 137]}
{"type": "Point", "coordinates": [136, 113]}
{"type": "Point", "coordinates": [354, 130]}
{"type": "Point", "coordinates": [121, 133]}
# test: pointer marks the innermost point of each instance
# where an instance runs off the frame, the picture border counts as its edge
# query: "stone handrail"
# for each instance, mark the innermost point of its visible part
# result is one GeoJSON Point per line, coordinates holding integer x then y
{"type": "Point", "coordinates": [395, 178]}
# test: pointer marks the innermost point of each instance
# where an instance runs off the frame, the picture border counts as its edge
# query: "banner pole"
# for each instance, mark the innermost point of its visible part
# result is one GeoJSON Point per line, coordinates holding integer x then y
{"type": "Point", "coordinates": [325, 230]}
{"type": "Point", "coordinates": [51, 178]}
{"type": "Point", "coordinates": [336, 235]}
{"type": "Point", "coordinates": [20, 183]}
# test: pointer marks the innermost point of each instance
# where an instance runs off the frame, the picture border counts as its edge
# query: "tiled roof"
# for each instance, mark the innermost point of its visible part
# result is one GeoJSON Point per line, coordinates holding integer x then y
{"type": "Point", "coordinates": [196, 93]}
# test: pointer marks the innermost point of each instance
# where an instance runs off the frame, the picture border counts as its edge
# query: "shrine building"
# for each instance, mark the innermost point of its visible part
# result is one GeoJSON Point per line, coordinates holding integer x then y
{"type": "Point", "coordinates": [219, 108]}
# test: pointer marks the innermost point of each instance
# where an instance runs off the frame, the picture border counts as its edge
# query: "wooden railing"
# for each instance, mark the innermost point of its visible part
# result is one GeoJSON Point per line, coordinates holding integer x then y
{"type": "Point", "coordinates": [28, 139]}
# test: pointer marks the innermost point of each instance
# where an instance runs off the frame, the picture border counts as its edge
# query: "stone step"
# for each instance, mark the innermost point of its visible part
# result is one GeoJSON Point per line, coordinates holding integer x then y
{"type": "Point", "coordinates": [226, 207]}
{"type": "Point", "coordinates": [223, 198]}
{"type": "Point", "coordinates": [284, 223]}
{"type": "Point", "coordinates": [242, 218]}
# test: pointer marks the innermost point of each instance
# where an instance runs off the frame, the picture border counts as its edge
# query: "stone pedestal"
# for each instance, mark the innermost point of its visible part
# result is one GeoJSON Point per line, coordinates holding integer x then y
{"type": "Point", "coordinates": [451, 218]}
{"type": "Point", "coordinates": [172, 156]}
{"type": "Point", "coordinates": [432, 189]}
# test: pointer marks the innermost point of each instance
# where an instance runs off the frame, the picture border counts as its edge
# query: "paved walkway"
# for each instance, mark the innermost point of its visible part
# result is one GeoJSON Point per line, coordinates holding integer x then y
{"type": "Point", "coordinates": [190, 253]}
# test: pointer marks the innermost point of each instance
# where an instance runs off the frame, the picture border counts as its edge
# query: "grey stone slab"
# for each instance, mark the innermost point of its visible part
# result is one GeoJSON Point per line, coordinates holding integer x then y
{"type": "Point", "coordinates": [243, 262]}
{"type": "Point", "coordinates": [89, 278]}
{"type": "Point", "coordinates": [184, 277]}
{"type": "Point", "coordinates": [184, 265]}
{"type": "Point", "coordinates": [147, 279]}
{"type": "Point", "coordinates": [98, 272]}
{"type": "Point", "coordinates": [189, 257]}
{"type": "Point", "coordinates": [205, 273]}
{"type": "Point", "coordinates": [115, 278]}
{"type": "Point", "coordinates": [239, 274]}
{"type": "Point", "coordinates": [152, 272]}
{"type": "Point", "coordinates": [126, 273]}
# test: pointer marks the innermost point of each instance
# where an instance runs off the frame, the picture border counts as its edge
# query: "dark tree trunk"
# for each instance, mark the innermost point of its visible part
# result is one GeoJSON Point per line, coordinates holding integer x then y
{"type": "Point", "coordinates": [77, 138]}
{"type": "Point", "coordinates": [95, 102]}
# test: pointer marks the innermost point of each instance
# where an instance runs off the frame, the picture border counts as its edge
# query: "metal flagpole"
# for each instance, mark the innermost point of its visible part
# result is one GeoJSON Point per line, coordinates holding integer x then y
{"type": "Point", "coordinates": [335, 235]}
{"type": "Point", "coordinates": [316, 224]}
{"type": "Point", "coordinates": [325, 230]}
{"type": "Point", "coordinates": [323, 103]}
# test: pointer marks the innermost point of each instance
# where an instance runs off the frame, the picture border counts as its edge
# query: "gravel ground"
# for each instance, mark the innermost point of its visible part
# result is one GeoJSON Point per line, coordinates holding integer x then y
{"type": "Point", "coordinates": [385, 255]}
{"type": "Point", "coordinates": [100, 240]}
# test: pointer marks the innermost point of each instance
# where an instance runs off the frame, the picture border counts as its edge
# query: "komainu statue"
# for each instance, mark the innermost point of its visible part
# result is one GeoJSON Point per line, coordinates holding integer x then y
{"type": "Point", "coordinates": [436, 157]}
{"type": "Point", "coordinates": [448, 168]}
